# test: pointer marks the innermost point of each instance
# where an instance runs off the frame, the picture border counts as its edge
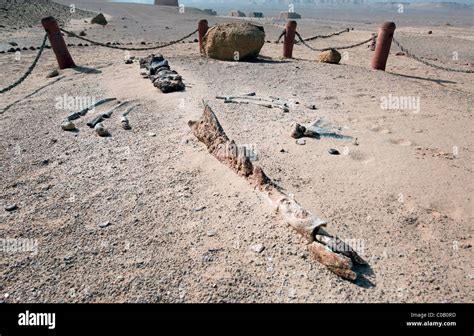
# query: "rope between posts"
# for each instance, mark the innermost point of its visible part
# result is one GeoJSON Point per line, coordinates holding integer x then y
{"type": "Point", "coordinates": [126, 48]}
{"type": "Point", "coordinates": [337, 48]}
{"type": "Point", "coordinates": [29, 70]}
{"type": "Point", "coordinates": [409, 54]}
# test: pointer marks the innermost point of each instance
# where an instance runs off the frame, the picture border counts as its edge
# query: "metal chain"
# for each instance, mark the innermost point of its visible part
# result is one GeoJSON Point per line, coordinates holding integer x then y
{"type": "Point", "coordinates": [338, 48]}
{"type": "Point", "coordinates": [316, 36]}
{"type": "Point", "coordinates": [409, 54]}
{"type": "Point", "coordinates": [281, 35]}
{"type": "Point", "coordinates": [125, 48]}
{"type": "Point", "coordinates": [30, 68]}
{"type": "Point", "coordinates": [327, 36]}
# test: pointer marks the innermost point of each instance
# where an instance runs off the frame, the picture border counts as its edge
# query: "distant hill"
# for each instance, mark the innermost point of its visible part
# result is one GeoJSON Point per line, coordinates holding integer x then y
{"type": "Point", "coordinates": [24, 13]}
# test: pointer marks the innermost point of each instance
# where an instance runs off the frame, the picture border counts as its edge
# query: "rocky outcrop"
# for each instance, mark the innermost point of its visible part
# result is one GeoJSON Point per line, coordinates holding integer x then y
{"type": "Point", "coordinates": [174, 3]}
{"type": "Point", "coordinates": [237, 13]}
{"type": "Point", "coordinates": [289, 15]}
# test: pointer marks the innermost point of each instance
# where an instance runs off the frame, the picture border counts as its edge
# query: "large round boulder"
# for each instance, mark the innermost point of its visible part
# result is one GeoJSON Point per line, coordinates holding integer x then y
{"type": "Point", "coordinates": [233, 41]}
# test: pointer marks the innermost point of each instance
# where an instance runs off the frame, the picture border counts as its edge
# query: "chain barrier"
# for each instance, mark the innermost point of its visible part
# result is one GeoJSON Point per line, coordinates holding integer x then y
{"type": "Point", "coordinates": [316, 36]}
{"type": "Point", "coordinates": [281, 35]}
{"type": "Point", "coordinates": [337, 48]}
{"type": "Point", "coordinates": [126, 48]}
{"type": "Point", "coordinates": [30, 68]}
{"type": "Point", "coordinates": [327, 36]}
{"type": "Point", "coordinates": [409, 54]}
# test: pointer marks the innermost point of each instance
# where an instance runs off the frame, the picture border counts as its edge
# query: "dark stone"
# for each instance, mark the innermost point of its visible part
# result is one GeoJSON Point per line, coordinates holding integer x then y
{"type": "Point", "coordinates": [99, 19]}
{"type": "Point", "coordinates": [11, 207]}
{"type": "Point", "coordinates": [333, 151]}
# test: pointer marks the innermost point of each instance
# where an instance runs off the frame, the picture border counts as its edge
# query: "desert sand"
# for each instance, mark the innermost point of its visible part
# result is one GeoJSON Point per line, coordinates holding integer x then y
{"type": "Point", "coordinates": [182, 225]}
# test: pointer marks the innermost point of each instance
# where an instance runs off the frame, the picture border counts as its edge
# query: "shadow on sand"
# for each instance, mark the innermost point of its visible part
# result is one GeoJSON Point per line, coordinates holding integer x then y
{"type": "Point", "coordinates": [363, 271]}
{"type": "Point", "coordinates": [438, 81]}
{"type": "Point", "coordinates": [86, 70]}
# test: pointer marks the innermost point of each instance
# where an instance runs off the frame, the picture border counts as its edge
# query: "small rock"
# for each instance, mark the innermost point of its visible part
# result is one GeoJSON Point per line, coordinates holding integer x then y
{"type": "Point", "coordinates": [257, 248]}
{"type": "Point", "coordinates": [129, 61]}
{"type": "Point", "coordinates": [6, 295]}
{"type": "Point", "coordinates": [53, 73]}
{"type": "Point", "coordinates": [67, 260]}
{"type": "Point", "coordinates": [430, 32]}
{"type": "Point", "coordinates": [356, 142]}
{"type": "Point", "coordinates": [301, 142]}
{"type": "Point", "coordinates": [82, 33]}
{"type": "Point", "coordinates": [104, 224]}
{"type": "Point", "coordinates": [330, 56]}
{"type": "Point", "coordinates": [101, 130]}
{"type": "Point", "coordinates": [333, 151]}
{"type": "Point", "coordinates": [292, 293]}
{"type": "Point", "coordinates": [211, 233]}
{"type": "Point", "coordinates": [199, 209]}
{"type": "Point", "coordinates": [312, 107]}
{"type": "Point", "coordinates": [400, 53]}
{"type": "Point", "coordinates": [11, 207]}
{"type": "Point", "coordinates": [68, 126]}
{"type": "Point", "coordinates": [151, 134]}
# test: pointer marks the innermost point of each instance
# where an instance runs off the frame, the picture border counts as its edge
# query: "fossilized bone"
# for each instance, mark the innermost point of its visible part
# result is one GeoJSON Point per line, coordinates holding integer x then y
{"type": "Point", "coordinates": [83, 112]}
{"type": "Point", "coordinates": [124, 117]}
{"type": "Point", "coordinates": [329, 250]}
{"type": "Point", "coordinates": [105, 115]}
{"type": "Point", "coordinates": [251, 98]}
{"type": "Point", "coordinates": [316, 130]}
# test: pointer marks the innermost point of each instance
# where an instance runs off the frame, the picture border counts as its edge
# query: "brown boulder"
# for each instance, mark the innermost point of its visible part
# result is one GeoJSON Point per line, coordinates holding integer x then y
{"type": "Point", "coordinates": [330, 56]}
{"type": "Point", "coordinates": [233, 42]}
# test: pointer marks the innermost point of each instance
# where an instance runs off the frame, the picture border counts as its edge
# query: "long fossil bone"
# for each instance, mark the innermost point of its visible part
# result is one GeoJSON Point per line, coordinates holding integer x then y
{"type": "Point", "coordinates": [322, 246]}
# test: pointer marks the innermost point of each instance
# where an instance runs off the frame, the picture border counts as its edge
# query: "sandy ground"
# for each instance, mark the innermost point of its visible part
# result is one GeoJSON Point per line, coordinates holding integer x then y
{"type": "Point", "coordinates": [182, 224]}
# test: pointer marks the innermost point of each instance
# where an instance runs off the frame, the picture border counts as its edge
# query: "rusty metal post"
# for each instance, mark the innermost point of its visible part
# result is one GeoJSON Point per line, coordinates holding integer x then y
{"type": "Point", "coordinates": [203, 26]}
{"type": "Point", "coordinates": [382, 49]}
{"type": "Point", "coordinates": [57, 43]}
{"type": "Point", "coordinates": [289, 40]}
